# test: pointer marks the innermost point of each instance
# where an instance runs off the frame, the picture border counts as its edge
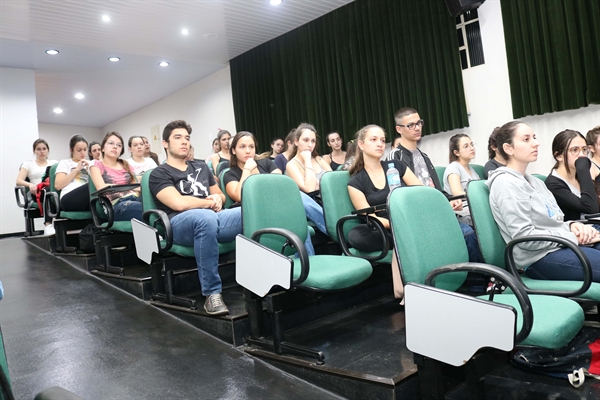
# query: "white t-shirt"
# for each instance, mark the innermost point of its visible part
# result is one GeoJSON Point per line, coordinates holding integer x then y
{"type": "Point", "coordinates": [82, 178]}
{"type": "Point", "coordinates": [140, 168]}
{"type": "Point", "coordinates": [35, 172]}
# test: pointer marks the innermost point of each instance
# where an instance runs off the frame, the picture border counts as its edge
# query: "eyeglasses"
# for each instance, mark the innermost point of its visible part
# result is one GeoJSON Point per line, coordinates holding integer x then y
{"type": "Point", "coordinates": [412, 125]}
{"type": "Point", "coordinates": [117, 145]}
{"type": "Point", "coordinates": [576, 150]}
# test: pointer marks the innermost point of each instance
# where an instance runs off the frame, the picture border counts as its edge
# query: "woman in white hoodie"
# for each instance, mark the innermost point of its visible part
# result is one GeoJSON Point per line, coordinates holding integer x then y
{"type": "Point", "coordinates": [523, 206]}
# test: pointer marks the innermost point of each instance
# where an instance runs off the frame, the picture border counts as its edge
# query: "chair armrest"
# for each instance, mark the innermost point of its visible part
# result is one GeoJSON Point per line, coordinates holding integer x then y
{"type": "Point", "coordinates": [509, 259]}
{"type": "Point", "coordinates": [21, 195]}
{"type": "Point", "coordinates": [108, 209]}
{"type": "Point", "coordinates": [56, 393]}
{"type": "Point", "coordinates": [373, 223]}
{"type": "Point", "coordinates": [51, 200]}
{"type": "Point", "coordinates": [458, 197]}
{"type": "Point", "coordinates": [370, 210]}
{"type": "Point", "coordinates": [498, 273]}
{"type": "Point", "coordinates": [592, 216]}
{"type": "Point", "coordinates": [163, 219]}
{"type": "Point", "coordinates": [292, 240]}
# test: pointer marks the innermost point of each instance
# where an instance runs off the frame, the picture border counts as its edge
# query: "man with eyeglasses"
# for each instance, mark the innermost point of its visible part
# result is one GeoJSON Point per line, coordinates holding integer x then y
{"type": "Point", "coordinates": [408, 126]}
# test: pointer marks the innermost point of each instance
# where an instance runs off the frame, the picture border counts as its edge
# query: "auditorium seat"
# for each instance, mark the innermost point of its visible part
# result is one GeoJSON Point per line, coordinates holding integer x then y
{"type": "Point", "coordinates": [493, 248]}
{"type": "Point", "coordinates": [339, 218]}
{"type": "Point", "coordinates": [63, 220]}
{"type": "Point", "coordinates": [279, 223]}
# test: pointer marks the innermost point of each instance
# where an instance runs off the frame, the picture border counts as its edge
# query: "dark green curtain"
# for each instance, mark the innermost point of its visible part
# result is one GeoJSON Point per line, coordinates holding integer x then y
{"type": "Point", "coordinates": [352, 67]}
{"type": "Point", "coordinates": [553, 51]}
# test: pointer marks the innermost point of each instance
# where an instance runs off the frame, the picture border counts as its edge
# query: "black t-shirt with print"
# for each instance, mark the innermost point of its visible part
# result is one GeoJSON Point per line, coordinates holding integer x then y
{"type": "Point", "coordinates": [195, 181]}
{"type": "Point", "coordinates": [374, 196]}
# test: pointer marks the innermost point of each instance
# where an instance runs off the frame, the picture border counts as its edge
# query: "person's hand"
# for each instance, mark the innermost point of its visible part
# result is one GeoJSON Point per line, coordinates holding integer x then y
{"type": "Point", "coordinates": [250, 165]}
{"type": "Point", "coordinates": [33, 189]}
{"type": "Point", "coordinates": [217, 202]}
{"type": "Point", "coordinates": [585, 233]}
{"type": "Point", "coordinates": [306, 156]}
{"type": "Point", "coordinates": [457, 205]}
{"type": "Point", "coordinates": [83, 164]}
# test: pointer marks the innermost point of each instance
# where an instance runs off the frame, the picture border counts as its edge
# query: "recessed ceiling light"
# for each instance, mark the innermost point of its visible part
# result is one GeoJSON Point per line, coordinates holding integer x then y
{"type": "Point", "coordinates": [163, 64]}
{"type": "Point", "coordinates": [274, 2]}
{"type": "Point", "coordinates": [79, 96]}
{"type": "Point", "coordinates": [57, 110]}
{"type": "Point", "coordinates": [105, 18]}
{"type": "Point", "coordinates": [184, 31]}
{"type": "Point", "coordinates": [113, 59]}
{"type": "Point", "coordinates": [211, 36]}
{"type": "Point", "coordinates": [52, 52]}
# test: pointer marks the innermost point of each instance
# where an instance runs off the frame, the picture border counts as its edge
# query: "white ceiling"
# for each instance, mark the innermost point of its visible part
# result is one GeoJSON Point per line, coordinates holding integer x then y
{"type": "Point", "coordinates": [142, 33]}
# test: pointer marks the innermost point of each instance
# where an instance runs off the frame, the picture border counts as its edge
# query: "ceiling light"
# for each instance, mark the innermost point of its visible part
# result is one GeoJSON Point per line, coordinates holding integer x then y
{"type": "Point", "coordinates": [163, 64]}
{"type": "Point", "coordinates": [184, 31]}
{"type": "Point", "coordinates": [52, 52]}
{"type": "Point", "coordinates": [211, 36]}
{"type": "Point", "coordinates": [274, 2]}
{"type": "Point", "coordinates": [105, 18]}
{"type": "Point", "coordinates": [58, 110]}
{"type": "Point", "coordinates": [79, 96]}
{"type": "Point", "coordinates": [113, 59]}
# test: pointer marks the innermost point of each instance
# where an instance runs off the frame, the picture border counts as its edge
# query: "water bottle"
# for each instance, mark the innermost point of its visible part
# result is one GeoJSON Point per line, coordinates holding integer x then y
{"type": "Point", "coordinates": [393, 177]}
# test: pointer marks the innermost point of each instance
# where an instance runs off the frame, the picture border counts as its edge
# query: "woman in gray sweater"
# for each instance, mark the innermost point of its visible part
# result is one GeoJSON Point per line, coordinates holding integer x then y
{"type": "Point", "coordinates": [523, 206]}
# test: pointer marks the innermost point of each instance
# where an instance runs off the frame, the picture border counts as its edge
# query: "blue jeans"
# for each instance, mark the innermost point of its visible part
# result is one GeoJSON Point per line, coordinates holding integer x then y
{"type": "Point", "coordinates": [472, 243]}
{"type": "Point", "coordinates": [314, 213]}
{"type": "Point", "coordinates": [564, 265]}
{"type": "Point", "coordinates": [128, 207]}
{"type": "Point", "coordinates": [203, 228]}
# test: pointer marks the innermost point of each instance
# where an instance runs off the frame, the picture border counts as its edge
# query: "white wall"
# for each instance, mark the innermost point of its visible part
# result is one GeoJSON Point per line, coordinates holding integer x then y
{"type": "Point", "coordinates": [18, 131]}
{"type": "Point", "coordinates": [58, 137]}
{"type": "Point", "coordinates": [488, 94]}
{"type": "Point", "coordinates": [206, 105]}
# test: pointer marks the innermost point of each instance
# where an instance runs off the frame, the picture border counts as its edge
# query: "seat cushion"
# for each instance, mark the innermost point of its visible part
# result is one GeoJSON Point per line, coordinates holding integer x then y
{"type": "Point", "coordinates": [188, 251]}
{"type": "Point", "coordinates": [593, 293]}
{"type": "Point", "coordinates": [76, 215]}
{"type": "Point", "coordinates": [120, 226]}
{"type": "Point", "coordinates": [556, 319]}
{"type": "Point", "coordinates": [333, 272]}
{"type": "Point", "coordinates": [385, 260]}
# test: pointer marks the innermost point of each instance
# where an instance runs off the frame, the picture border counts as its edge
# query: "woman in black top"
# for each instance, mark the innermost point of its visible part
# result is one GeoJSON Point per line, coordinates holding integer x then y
{"type": "Point", "coordinates": [334, 141]}
{"type": "Point", "coordinates": [496, 161]}
{"type": "Point", "coordinates": [571, 181]}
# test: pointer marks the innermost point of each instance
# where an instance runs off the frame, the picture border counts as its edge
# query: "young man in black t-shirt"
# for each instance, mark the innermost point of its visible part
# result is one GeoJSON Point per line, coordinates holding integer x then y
{"type": "Point", "coordinates": [188, 193]}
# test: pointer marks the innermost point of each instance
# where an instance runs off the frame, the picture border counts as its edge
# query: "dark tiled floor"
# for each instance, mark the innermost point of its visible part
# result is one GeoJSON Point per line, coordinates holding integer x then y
{"type": "Point", "coordinates": [64, 327]}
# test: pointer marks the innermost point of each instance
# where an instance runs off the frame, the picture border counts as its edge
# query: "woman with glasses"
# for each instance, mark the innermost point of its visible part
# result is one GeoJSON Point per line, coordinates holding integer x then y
{"type": "Point", "coordinates": [114, 171]}
{"type": "Point", "coordinates": [523, 206]}
{"type": "Point", "coordinates": [571, 181]}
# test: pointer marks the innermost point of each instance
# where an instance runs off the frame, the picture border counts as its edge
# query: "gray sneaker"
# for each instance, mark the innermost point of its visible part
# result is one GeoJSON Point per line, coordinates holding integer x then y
{"type": "Point", "coordinates": [214, 305]}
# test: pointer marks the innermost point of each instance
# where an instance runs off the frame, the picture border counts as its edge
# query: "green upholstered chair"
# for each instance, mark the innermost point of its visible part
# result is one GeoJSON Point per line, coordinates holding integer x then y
{"type": "Point", "coordinates": [113, 233]}
{"type": "Point", "coordinates": [279, 223]}
{"type": "Point", "coordinates": [228, 200]}
{"type": "Point", "coordinates": [479, 169]}
{"type": "Point", "coordinates": [6, 393]}
{"type": "Point", "coordinates": [440, 173]}
{"type": "Point", "coordinates": [422, 212]}
{"type": "Point", "coordinates": [493, 248]}
{"type": "Point", "coordinates": [171, 257]}
{"type": "Point", "coordinates": [31, 210]}
{"type": "Point", "coordinates": [540, 177]}
{"type": "Point", "coordinates": [339, 218]}
{"type": "Point", "coordinates": [63, 220]}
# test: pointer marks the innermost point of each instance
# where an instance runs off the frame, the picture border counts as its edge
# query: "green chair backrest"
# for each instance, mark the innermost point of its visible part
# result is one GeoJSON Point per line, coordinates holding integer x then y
{"type": "Point", "coordinates": [99, 210]}
{"type": "Point", "coordinates": [209, 163]}
{"type": "Point", "coordinates": [440, 173]}
{"type": "Point", "coordinates": [479, 169]}
{"type": "Point", "coordinates": [4, 368]}
{"type": "Point", "coordinates": [148, 202]}
{"type": "Point", "coordinates": [540, 177]}
{"type": "Point", "coordinates": [53, 179]}
{"type": "Point", "coordinates": [272, 201]}
{"type": "Point", "coordinates": [491, 243]}
{"type": "Point", "coordinates": [426, 235]}
{"type": "Point", "coordinates": [336, 202]}
{"type": "Point", "coordinates": [228, 200]}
